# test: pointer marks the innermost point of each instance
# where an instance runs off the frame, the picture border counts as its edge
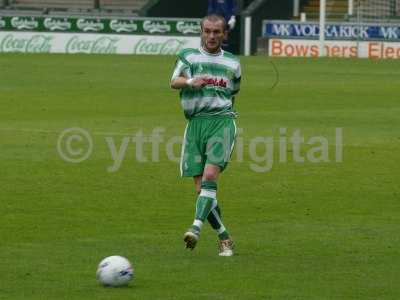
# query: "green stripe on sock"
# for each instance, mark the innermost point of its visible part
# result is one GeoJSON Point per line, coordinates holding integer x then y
{"type": "Point", "coordinates": [195, 229]}
{"type": "Point", "coordinates": [224, 235]}
{"type": "Point", "coordinates": [215, 224]}
{"type": "Point", "coordinates": [203, 207]}
{"type": "Point", "coordinates": [215, 220]}
{"type": "Point", "coordinates": [209, 185]}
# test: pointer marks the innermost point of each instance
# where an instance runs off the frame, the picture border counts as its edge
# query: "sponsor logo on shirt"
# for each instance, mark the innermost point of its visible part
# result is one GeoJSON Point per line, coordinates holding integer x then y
{"type": "Point", "coordinates": [217, 82]}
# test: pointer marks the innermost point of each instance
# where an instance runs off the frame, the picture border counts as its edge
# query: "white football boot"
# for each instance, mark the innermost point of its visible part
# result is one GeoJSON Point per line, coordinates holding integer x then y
{"type": "Point", "coordinates": [225, 247]}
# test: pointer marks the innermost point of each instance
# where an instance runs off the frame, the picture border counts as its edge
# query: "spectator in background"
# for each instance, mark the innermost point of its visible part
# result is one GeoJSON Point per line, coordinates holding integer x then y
{"type": "Point", "coordinates": [227, 9]}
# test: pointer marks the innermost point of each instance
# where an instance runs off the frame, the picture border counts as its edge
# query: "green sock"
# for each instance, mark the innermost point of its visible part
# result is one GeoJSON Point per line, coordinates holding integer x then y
{"type": "Point", "coordinates": [205, 200]}
{"type": "Point", "coordinates": [196, 228]}
{"type": "Point", "coordinates": [203, 207]}
{"type": "Point", "coordinates": [215, 220]}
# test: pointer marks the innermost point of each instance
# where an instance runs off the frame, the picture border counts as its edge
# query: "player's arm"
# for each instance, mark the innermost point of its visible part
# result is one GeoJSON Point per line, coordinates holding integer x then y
{"type": "Point", "coordinates": [237, 80]}
{"type": "Point", "coordinates": [181, 82]}
{"type": "Point", "coordinates": [183, 77]}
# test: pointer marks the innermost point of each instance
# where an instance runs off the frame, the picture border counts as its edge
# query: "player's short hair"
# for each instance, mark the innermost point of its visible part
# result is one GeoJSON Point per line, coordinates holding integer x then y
{"type": "Point", "coordinates": [214, 18]}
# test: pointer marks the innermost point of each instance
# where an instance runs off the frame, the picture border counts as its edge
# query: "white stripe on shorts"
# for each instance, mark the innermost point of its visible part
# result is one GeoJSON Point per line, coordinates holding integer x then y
{"type": "Point", "coordinates": [183, 149]}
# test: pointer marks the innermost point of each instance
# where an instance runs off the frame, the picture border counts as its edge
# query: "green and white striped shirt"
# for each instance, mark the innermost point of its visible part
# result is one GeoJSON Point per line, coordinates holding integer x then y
{"type": "Point", "coordinates": [216, 98]}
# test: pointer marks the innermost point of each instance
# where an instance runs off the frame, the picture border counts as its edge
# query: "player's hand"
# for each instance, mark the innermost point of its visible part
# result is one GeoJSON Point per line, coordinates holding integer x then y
{"type": "Point", "coordinates": [198, 82]}
{"type": "Point", "coordinates": [232, 22]}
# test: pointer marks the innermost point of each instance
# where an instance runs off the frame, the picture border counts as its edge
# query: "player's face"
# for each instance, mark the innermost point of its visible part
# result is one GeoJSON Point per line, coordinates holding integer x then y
{"type": "Point", "coordinates": [213, 35]}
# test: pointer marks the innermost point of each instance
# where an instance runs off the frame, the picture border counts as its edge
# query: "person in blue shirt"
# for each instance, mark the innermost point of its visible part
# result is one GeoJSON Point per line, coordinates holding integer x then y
{"type": "Point", "coordinates": [224, 8]}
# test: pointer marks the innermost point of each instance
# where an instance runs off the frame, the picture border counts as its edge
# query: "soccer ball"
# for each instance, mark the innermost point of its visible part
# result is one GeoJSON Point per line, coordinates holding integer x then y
{"type": "Point", "coordinates": [114, 271]}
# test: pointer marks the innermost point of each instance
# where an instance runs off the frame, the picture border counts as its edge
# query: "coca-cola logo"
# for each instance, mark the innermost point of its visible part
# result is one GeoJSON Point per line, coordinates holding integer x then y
{"type": "Point", "coordinates": [34, 44]}
{"type": "Point", "coordinates": [24, 23]}
{"type": "Point", "coordinates": [156, 26]}
{"type": "Point", "coordinates": [123, 26]}
{"type": "Point", "coordinates": [101, 45]}
{"type": "Point", "coordinates": [90, 25]}
{"type": "Point", "coordinates": [54, 24]}
{"type": "Point", "coordinates": [170, 46]}
{"type": "Point", "coordinates": [186, 27]}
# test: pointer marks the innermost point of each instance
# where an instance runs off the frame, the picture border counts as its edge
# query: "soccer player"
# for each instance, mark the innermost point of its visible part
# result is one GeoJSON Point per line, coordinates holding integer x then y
{"type": "Point", "coordinates": [208, 79]}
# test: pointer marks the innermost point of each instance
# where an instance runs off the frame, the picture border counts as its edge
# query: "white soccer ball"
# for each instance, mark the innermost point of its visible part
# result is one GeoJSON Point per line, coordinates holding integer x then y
{"type": "Point", "coordinates": [114, 271]}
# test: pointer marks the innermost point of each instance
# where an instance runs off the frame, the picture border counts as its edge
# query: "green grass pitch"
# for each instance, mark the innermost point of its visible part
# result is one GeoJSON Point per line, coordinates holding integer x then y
{"type": "Point", "coordinates": [303, 230]}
